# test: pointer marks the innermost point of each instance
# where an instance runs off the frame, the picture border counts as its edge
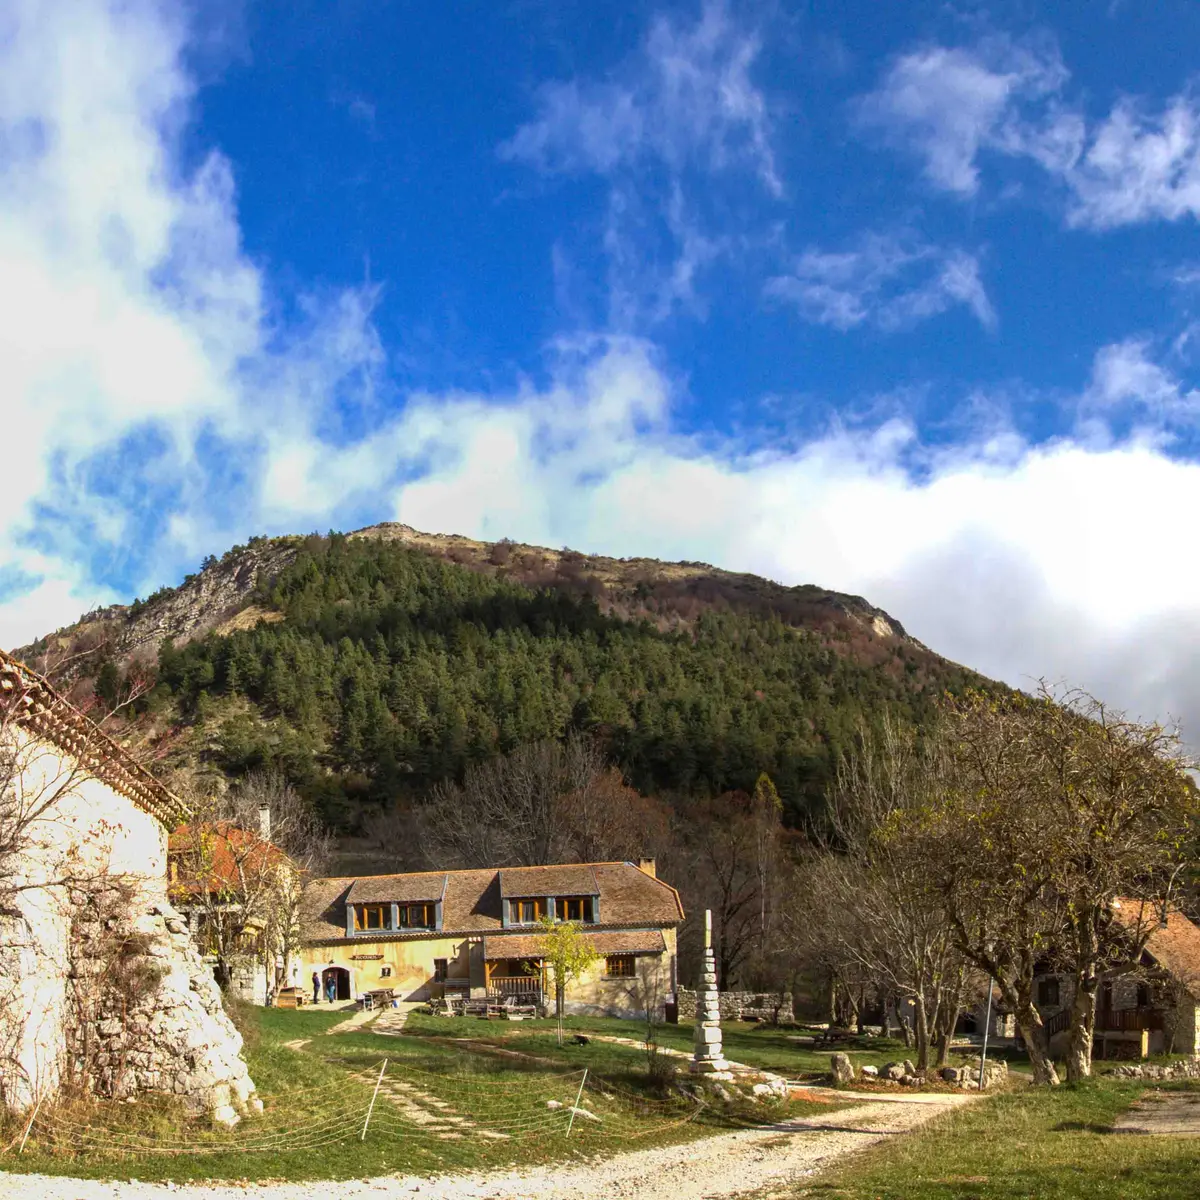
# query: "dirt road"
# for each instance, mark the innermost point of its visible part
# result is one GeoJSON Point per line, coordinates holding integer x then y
{"type": "Point", "coordinates": [724, 1165]}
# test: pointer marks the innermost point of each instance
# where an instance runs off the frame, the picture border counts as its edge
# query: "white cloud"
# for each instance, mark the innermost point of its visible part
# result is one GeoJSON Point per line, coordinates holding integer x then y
{"type": "Point", "coordinates": [950, 105]}
{"type": "Point", "coordinates": [676, 119]}
{"type": "Point", "coordinates": [947, 104]}
{"type": "Point", "coordinates": [1138, 167]}
{"type": "Point", "coordinates": [684, 99]}
{"type": "Point", "coordinates": [135, 335]}
{"type": "Point", "coordinates": [888, 281]}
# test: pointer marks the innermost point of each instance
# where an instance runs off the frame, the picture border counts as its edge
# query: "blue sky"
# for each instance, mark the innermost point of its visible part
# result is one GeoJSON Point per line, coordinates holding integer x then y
{"type": "Point", "coordinates": [899, 299]}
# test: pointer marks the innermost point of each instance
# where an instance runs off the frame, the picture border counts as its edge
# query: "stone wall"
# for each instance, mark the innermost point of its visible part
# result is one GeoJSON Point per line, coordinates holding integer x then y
{"type": "Point", "coordinates": [739, 1006]}
{"type": "Point", "coordinates": [100, 985]}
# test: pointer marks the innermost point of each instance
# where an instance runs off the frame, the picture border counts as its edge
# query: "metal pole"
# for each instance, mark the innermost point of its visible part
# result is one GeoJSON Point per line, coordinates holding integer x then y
{"type": "Point", "coordinates": [578, 1097]}
{"type": "Point", "coordinates": [371, 1106]}
{"type": "Point", "coordinates": [987, 1024]}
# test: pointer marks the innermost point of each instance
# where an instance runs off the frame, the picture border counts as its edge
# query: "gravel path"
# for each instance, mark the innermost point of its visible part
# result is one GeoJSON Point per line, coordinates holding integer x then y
{"type": "Point", "coordinates": [725, 1165]}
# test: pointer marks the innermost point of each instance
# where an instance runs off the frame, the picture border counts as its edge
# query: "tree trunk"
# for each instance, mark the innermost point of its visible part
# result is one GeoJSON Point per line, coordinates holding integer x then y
{"type": "Point", "coordinates": [1083, 1026]}
{"type": "Point", "coordinates": [946, 1036]}
{"type": "Point", "coordinates": [831, 999]}
{"type": "Point", "coordinates": [905, 1028]}
{"type": "Point", "coordinates": [921, 1022]}
{"type": "Point", "coordinates": [1032, 1035]}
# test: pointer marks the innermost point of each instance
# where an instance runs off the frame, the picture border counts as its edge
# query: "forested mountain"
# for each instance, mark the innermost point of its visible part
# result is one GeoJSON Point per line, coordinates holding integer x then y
{"type": "Point", "coordinates": [369, 666]}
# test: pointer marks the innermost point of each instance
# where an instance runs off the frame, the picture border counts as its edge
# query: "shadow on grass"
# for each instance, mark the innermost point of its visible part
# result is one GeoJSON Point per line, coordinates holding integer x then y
{"type": "Point", "coordinates": [1080, 1127]}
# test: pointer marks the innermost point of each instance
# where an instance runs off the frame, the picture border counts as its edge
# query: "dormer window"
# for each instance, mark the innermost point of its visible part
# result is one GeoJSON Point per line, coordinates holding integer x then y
{"type": "Point", "coordinates": [573, 908]}
{"type": "Point", "coordinates": [417, 916]}
{"type": "Point", "coordinates": [526, 912]}
{"type": "Point", "coordinates": [372, 916]}
{"type": "Point", "coordinates": [389, 918]}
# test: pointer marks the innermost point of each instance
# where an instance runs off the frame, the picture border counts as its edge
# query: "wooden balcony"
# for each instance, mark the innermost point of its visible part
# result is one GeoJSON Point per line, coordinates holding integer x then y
{"type": "Point", "coordinates": [523, 986]}
{"type": "Point", "coordinates": [1128, 1020]}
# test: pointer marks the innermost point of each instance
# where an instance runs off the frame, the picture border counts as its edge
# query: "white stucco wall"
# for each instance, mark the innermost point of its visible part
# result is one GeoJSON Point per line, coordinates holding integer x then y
{"type": "Point", "coordinates": [78, 836]}
{"type": "Point", "coordinates": [78, 828]}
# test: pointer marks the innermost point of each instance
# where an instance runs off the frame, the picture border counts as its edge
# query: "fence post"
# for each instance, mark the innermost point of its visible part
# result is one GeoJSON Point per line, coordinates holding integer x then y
{"type": "Point", "coordinates": [371, 1106]}
{"type": "Point", "coordinates": [578, 1097]}
{"type": "Point", "coordinates": [32, 1118]}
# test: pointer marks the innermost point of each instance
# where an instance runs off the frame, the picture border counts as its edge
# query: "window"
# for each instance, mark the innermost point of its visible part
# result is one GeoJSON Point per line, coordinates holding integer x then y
{"type": "Point", "coordinates": [619, 966]}
{"type": "Point", "coordinates": [372, 916]}
{"type": "Point", "coordinates": [1143, 995]}
{"type": "Point", "coordinates": [1047, 992]}
{"type": "Point", "coordinates": [525, 912]}
{"type": "Point", "coordinates": [439, 970]}
{"type": "Point", "coordinates": [417, 916]}
{"type": "Point", "coordinates": [573, 908]}
{"type": "Point", "coordinates": [385, 972]}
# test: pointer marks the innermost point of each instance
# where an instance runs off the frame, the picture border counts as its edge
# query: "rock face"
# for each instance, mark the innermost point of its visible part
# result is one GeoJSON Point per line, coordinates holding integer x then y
{"type": "Point", "coordinates": [101, 989]}
{"type": "Point", "coordinates": [708, 1058]}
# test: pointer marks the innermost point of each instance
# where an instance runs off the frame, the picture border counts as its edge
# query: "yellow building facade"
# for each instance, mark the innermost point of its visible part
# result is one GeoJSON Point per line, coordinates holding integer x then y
{"type": "Point", "coordinates": [477, 934]}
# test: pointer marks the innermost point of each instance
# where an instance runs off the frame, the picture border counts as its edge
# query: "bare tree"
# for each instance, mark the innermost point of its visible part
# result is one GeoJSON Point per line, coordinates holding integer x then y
{"type": "Point", "coordinates": [545, 802]}
{"type": "Point", "coordinates": [238, 868]}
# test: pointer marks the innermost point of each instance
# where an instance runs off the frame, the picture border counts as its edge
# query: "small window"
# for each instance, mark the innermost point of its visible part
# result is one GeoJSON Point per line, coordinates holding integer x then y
{"type": "Point", "coordinates": [417, 916]}
{"type": "Point", "coordinates": [372, 916]}
{"type": "Point", "coordinates": [439, 969]}
{"type": "Point", "coordinates": [1143, 995]}
{"type": "Point", "coordinates": [619, 966]}
{"type": "Point", "coordinates": [1047, 992]}
{"type": "Point", "coordinates": [385, 972]}
{"type": "Point", "coordinates": [524, 912]}
{"type": "Point", "coordinates": [573, 908]}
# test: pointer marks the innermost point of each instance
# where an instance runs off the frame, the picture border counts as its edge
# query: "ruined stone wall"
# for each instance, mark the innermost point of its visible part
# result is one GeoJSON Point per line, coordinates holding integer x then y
{"type": "Point", "coordinates": [739, 1006]}
{"type": "Point", "coordinates": [100, 986]}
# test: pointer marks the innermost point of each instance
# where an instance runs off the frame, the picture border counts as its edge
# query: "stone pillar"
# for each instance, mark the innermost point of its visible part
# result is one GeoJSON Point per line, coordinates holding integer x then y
{"type": "Point", "coordinates": [709, 1059]}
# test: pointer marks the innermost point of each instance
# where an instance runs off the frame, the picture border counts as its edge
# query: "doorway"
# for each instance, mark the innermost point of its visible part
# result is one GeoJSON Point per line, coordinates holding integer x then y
{"type": "Point", "coordinates": [341, 981]}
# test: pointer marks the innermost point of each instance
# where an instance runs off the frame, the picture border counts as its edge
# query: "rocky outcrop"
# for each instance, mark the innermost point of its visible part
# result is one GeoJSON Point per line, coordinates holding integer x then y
{"type": "Point", "coordinates": [145, 1014]}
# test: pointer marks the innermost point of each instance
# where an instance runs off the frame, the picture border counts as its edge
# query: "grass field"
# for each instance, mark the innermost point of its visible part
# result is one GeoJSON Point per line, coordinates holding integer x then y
{"type": "Point", "coordinates": [784, 1051]}
{"type": "Point", "coordinates": [1054, 1144]}
{"type": "Point", "coordinates": [445, 1105]}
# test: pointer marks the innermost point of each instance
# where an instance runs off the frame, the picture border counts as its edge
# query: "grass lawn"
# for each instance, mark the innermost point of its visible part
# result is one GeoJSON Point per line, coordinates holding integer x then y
{"type": "Point", "coordinates": [1028, 1143]}
{"type": "Point", "coordinates": [783, 1051]}
{"type": "Point", "coordinates": [445, 1106]}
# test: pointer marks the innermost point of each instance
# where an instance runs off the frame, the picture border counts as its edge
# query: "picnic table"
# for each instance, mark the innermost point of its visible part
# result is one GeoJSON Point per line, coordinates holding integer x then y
{"type": "Point", "coordinates": [376, 998]}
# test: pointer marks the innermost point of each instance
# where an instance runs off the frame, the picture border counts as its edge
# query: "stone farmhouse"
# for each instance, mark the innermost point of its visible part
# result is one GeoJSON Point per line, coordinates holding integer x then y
{"type": "Point", "coordinates": [101, 989]}
{"type": "Point", "coordinates": [238, 893]}
{"type": "Point", "coordinates": [475, 933]}
{"type": "Point", "coordinates": [1151, 1007]}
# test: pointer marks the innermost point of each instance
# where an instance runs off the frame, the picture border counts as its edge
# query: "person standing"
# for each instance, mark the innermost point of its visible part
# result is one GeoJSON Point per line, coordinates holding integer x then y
{"type": "Point", "coordinates": [331, 988]}
{"type": "Point", "coordinates": [316, 987]}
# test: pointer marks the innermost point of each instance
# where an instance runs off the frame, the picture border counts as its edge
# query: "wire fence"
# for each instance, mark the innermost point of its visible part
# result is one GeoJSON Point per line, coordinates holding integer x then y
{"type": "Point", "coordinates": [384, 1101]}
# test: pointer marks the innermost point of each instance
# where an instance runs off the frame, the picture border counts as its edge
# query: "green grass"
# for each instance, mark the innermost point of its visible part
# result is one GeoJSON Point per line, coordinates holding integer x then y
{"type": "Point", "coordinates": [781, 1050]}
{"type": "Point", "coordinates": [1028, 1143]}
{"type": "Point", "coordinates": [316, 1098]}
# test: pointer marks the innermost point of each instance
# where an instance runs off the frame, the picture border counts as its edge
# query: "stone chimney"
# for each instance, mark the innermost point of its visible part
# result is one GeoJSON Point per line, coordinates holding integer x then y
{"type": "Point", "coordinates": [264, 823]}
{"type": "Point", "coordinates": [647, 865]}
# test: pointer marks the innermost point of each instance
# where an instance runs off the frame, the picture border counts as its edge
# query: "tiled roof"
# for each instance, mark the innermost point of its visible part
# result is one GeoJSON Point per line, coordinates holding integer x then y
{"type": "Point", "coordinates": [223, 852]}
{"type": "Point", "coordinates": [376, 889]}
{"type": "Point", "coordinates": [574, 879]}
{"type": "Point", "coordinates": [45, 714]}
{"type": "Point", "coordinates": [623, 941]}
{"type": "Point", "coordinates": [1177, 950]}
{"type": "Point", "coordinates": [473, 903]}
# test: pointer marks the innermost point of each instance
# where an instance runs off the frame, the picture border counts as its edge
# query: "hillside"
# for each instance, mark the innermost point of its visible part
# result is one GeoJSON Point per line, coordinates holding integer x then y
{"type": "Point", "coordinates": [369, 666]}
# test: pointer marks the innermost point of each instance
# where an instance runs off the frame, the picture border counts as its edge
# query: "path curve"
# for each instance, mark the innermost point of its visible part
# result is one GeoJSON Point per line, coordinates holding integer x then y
{"type": "Point", "coordinates": [726, 1164]}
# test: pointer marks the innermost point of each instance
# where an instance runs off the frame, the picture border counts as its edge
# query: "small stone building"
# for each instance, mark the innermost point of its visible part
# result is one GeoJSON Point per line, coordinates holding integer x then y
{"type": "Point", "coordinates": [101, 990]}
{"type": "Point", "coordinates": [1146, 1008]}
{"type": "Point", "coordinates": [476, 933]}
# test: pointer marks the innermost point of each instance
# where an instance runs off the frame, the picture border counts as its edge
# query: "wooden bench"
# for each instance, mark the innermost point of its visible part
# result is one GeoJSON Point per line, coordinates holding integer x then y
{"type": "Point", "coordinates": [290, 998]}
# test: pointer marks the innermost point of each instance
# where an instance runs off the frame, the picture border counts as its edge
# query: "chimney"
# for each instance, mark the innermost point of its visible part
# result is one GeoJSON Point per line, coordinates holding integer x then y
{"type": "Point", "coordinates": [264, 823]}
{"type": "Point", "coordinates": [647, 865]}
